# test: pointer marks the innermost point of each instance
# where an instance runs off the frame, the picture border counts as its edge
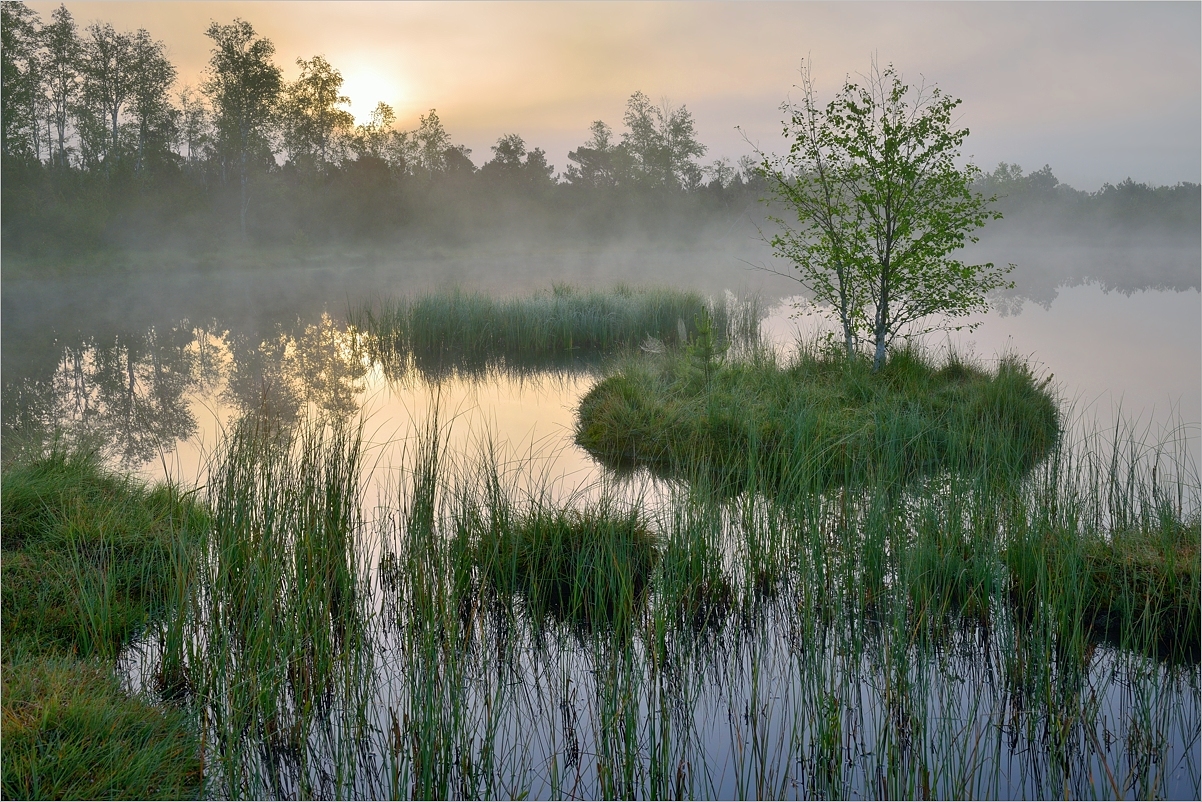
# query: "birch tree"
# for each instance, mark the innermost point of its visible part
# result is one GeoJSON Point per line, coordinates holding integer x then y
{"type": "Point", "coordinates": [881, 205]}
{"type": "Point", "coordinates": [243, 87]}
{"type": "Point", "coordinates": [60, 76]}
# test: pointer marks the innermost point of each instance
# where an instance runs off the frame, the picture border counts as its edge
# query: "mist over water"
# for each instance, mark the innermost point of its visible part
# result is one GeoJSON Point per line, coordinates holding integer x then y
{"type": "Point", "coordinates": [1116, 325]}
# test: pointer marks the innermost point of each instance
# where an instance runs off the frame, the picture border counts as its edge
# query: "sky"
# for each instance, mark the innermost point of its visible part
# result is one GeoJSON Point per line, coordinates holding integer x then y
{"type": "Point", "coordinates": [1098, 91]}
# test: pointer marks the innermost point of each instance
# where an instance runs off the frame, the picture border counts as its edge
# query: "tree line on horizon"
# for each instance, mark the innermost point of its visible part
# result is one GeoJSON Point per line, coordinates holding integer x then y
{"type": "Point", "coordinates": [102, 148]}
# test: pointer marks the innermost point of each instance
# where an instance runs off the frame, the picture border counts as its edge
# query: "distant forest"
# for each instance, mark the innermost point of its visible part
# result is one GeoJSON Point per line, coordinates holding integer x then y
{"type": "Point", "coordinates": [104, 150]}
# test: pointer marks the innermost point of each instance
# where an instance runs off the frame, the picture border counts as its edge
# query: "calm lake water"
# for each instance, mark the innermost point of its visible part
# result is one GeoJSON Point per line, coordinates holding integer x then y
{"type": "Point", "coordinates": [157, 397]}
{"type": "Point", "coordinates": [155, 374]}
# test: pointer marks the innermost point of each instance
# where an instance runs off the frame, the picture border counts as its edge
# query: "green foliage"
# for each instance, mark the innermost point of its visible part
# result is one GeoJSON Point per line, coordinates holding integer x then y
{"type": "Point", "coordinates": [314, 127]}
{"type": "Point", "coordinates": [707, 347]}
{"type": "Point", "coordinates": [521, 631]}
{"type": "Point", "coordinates": [904, 589]}
{"type": "Point", "coordinates": [509, 173]}
{"type": "Point", "coordinates": [1147, 589]}
{"type": "Point", "coordinates": [243, 86]}
{"type": "Point", "coordinates": [661, 143]}
{"type": "Point", "coordinates": [881, 204]}
{"type": "Point", "coordinates": [60, 80]}
{"type": "Point", "coordinates": [20, 78]}
{"type": "Point", "coordinates": [1139, 587]}
{"type": "Point", "coordinates": [98, 157]}
{"type": "Point", "coordinates": [1042, 202]}
{"type": "Point", "coordinates": [272, 625]}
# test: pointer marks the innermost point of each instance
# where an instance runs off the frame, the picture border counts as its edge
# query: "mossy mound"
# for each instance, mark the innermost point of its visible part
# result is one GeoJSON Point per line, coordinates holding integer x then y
{"type": "Point", "coordinates": [1149, 582]}
{"type": "Point", "coordinates": [819, 421]}
{"type": "Point", "coordinates": [87, 562]}
{"type": "Point", "coordinates": [87, 553]}
{"type": "Point", "coordinates": [71, 732]}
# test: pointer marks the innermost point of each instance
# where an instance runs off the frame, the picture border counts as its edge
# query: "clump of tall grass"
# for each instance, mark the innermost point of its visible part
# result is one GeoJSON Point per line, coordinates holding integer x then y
{"type": "Point", "coordinates": [271, 643]}
{"type": "Point", "coordinates": [1147, 593]}
{"type": "Point", "coordinates": [819, 421]}
{"type": "Point", "coordinates": [1115, 544]}
{"type": "Point", "coordinates": [587, 567]}
{"type": "Point", "coordinates": [952, 561]}
{"type": "Point", "coordinates": [471, 332]}
{"type": "Point", "coordinates": [694, 587]}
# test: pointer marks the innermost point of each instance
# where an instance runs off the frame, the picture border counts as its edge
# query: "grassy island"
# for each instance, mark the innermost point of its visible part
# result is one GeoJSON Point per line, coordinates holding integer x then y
{"type": "Point", "coordinates": [472, 332]}
{"type": "Point", "coordinates": [820, 420]}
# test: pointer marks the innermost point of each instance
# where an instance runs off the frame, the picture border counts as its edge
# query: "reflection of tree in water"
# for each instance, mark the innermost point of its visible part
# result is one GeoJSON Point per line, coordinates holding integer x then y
{"type": "Point", "coordinates": [259, 377]}
{"type": "Point", "coordinates": [132, 395]}
{"type": "Point", "coordinates": [126, 395]}
{"type": "Point", "coordinates": [141, 387]}
{"type": "Point", "coordinates": [320, 364]}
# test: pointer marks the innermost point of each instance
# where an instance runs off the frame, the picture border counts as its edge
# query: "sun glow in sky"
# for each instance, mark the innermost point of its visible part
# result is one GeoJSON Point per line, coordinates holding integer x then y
{"type": "Point", "coordinates": [1100, 91]}
{"type": "Point", "coordinates": [366, 85]}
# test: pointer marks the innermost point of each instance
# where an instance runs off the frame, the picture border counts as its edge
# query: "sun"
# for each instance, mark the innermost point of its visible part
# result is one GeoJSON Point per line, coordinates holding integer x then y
{"type": "Point", "coordinates": [367, 86]}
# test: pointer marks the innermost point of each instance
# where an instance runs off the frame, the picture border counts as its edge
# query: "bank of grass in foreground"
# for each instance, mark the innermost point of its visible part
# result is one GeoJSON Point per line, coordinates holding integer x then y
{"type": "Point", "coordinates": [86, 564]}
{"type": "Point", "coordinates": [819, 420]}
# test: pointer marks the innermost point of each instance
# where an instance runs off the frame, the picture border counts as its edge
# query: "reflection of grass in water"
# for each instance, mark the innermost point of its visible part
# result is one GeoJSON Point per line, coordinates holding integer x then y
{"type": "Point", "coordinates": [471, 332]}
{"type": "Point", "coordinates": [817, 422]}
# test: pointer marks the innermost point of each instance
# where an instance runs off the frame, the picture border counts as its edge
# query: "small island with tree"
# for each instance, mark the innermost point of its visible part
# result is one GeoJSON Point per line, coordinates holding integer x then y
{"type": "Point", "coordinates": [880, 208]}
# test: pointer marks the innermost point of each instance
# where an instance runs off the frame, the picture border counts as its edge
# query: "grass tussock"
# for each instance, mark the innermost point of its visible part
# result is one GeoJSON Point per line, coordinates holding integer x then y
{"type": "Point", "coordinates": [472, 331]}
{"type": "Point", "coordinates": [87, 564]}
{"type": "Point", "coordinates": [590, 567]}
{"type": "Point", "coordinates": [1148, 581]}
{"type": "Point", "coordinates": [818, 421]}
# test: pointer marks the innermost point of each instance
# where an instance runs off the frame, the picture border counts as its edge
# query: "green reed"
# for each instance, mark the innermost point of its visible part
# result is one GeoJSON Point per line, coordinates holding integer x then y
{"type": "Point", "coordinates": [471, 331]}
{"type": "Point", "coordinates": [952, 631]}
{"type": "Point", "coordinates": [269, 640]}
{"type": "Point", "coordinates": [824, 624]}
